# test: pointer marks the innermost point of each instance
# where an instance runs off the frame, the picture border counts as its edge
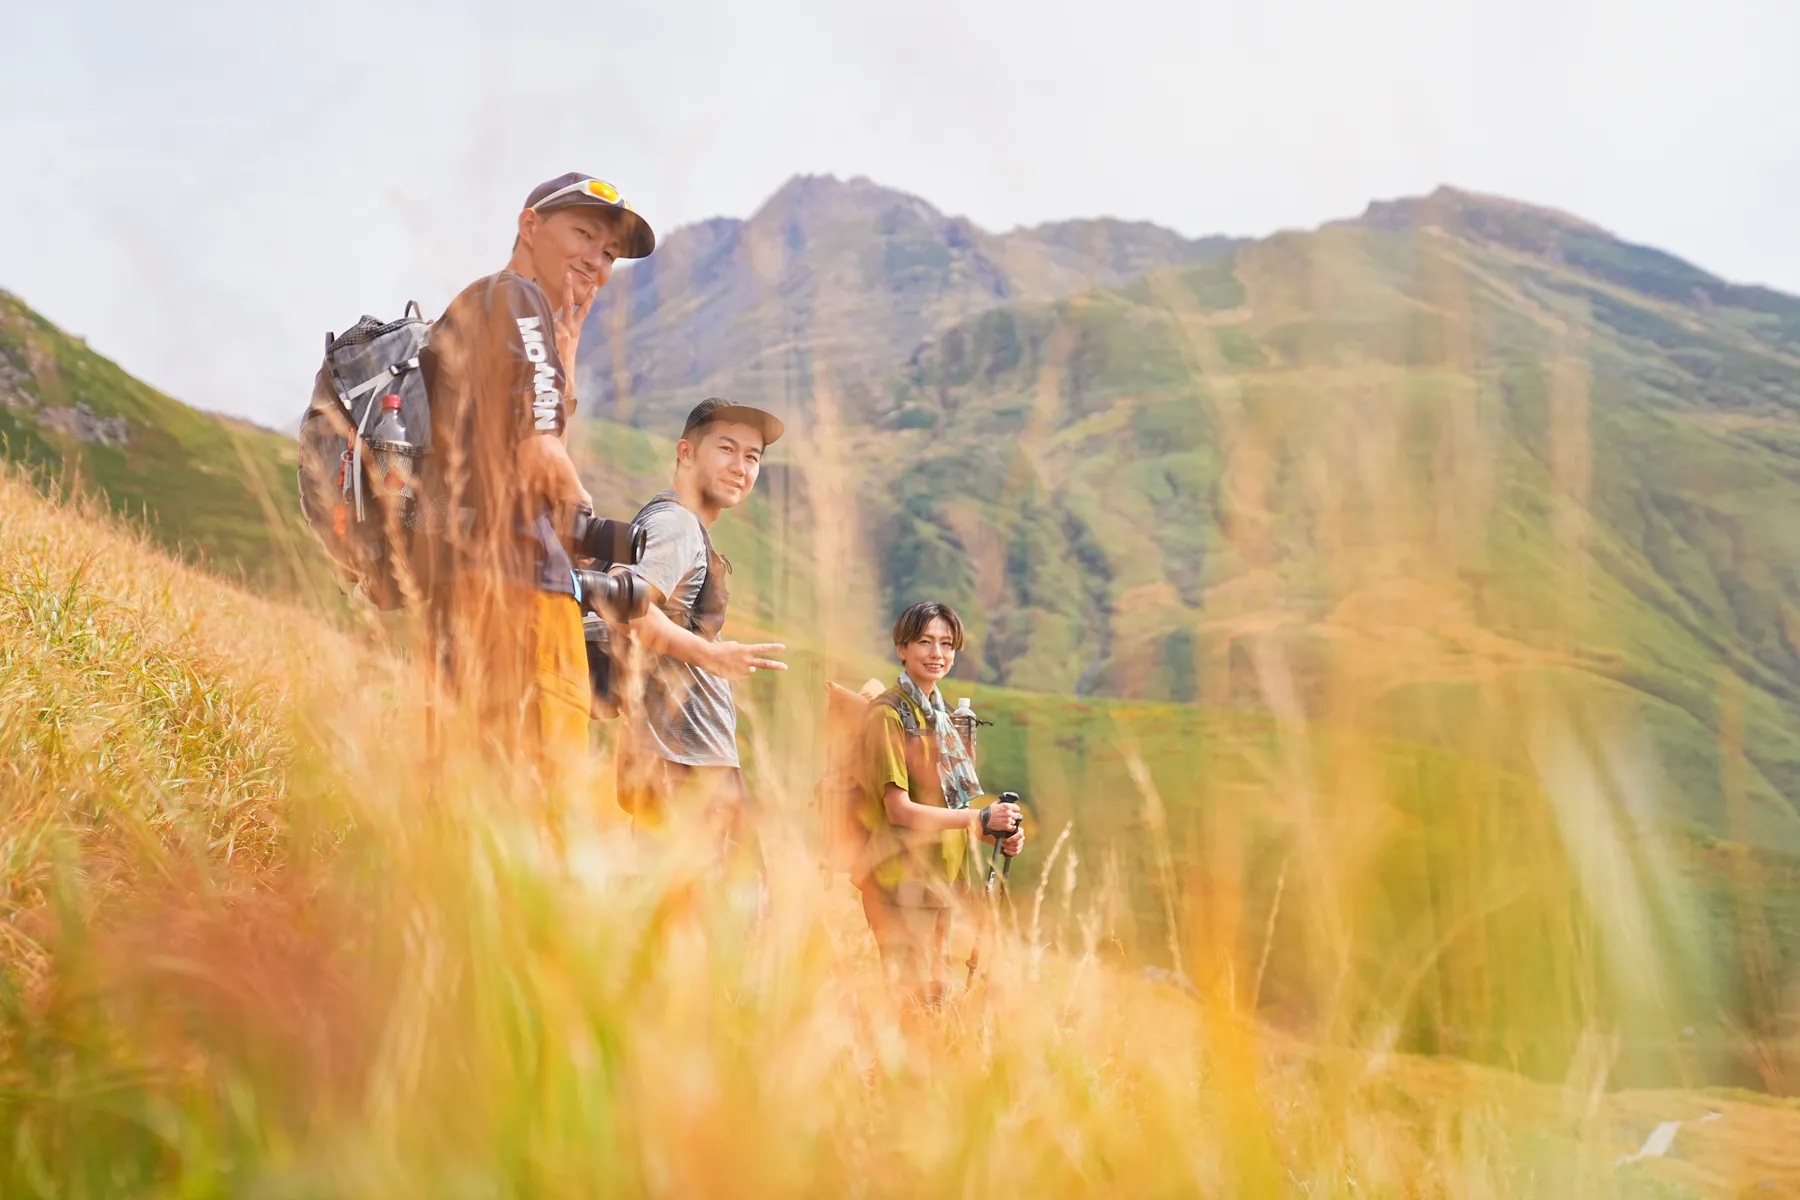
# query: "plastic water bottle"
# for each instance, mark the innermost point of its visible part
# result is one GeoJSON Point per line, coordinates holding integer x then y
{"type": "Point", "coordinates": [392, 452]}
{"type": "Point", "coordinates": [963, 718]}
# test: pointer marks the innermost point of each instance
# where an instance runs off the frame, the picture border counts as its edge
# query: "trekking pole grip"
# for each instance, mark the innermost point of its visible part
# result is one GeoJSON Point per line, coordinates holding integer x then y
{"type": "Point", "coordinates": [1010, 798]}
{"type": "Point", "coordinates": [985, 818]}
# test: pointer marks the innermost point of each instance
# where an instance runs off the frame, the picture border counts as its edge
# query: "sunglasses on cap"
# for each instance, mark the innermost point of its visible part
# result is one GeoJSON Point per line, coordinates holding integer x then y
{"type": "Point", "coordinates": [599, 189]}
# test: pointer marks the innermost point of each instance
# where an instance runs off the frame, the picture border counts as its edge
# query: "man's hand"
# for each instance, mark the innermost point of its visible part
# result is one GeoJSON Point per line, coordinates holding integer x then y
{"type": "Point", "coordinates": [1012, 845]}
{"type": "Point", "coordinates": [740, 660]}
{"type": "Point", "coordinates": [577, 300]}
{"type": "Point", "coordinates": [544, 464]}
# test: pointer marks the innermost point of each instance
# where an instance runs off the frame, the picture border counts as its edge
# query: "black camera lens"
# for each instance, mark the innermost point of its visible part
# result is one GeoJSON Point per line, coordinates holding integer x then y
{"type": "Point", "coordinates": [605, 540]}
{"type": "Point", "coordinates": [615, 595]}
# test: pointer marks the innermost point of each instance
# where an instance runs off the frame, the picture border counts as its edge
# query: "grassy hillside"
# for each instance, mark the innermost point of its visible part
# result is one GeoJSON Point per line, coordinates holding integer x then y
{"type": "Point", "coordinates": [1464, 505]}
{"type": "Point", "coordinates": [256, 944]}
{"type": "Point", "coordinates": [214, 489]}
{"type": "Point", "coordinates": [1396, 618]}
{"type": "Point", "coordinates": [1514, 759]}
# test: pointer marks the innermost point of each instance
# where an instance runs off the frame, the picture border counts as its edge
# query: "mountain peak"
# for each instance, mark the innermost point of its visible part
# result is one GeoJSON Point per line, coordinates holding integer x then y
{"type": "Point", "coordinates": [824, 196]}
{"type": "Point", "coordinates": [1454, 208]}
{"type": "Point", "coordinates": [1580, 247]}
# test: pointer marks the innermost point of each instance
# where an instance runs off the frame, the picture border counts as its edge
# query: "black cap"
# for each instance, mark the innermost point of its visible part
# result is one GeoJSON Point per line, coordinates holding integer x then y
{"type": "Point", "coordinates": [640, 239]}
{"type": "Point", "coordinates": [715, 409]}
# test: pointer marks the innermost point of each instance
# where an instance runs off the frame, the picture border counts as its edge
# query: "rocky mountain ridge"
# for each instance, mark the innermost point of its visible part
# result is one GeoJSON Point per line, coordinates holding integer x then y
{"type": "Point", "coordinates": [813, 298]}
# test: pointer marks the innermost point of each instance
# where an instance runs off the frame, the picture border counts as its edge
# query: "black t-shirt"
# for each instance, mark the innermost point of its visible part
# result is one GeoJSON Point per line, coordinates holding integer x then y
{"type": "Point", "coordinates": [495, 378]}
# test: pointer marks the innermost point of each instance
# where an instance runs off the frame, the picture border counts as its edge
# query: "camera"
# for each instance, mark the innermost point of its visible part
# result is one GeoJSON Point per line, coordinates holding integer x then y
{"type": "Point", "coordinates": [608, 589]}
{"type": "Point", "coordinates": [615, 595]}
{"type": "Point", "coordinates": [606, 541]}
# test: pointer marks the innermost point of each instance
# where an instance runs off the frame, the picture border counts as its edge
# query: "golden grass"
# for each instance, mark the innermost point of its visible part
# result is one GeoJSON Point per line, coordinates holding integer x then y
{"type": "Point", "coordinates": [256, 945]}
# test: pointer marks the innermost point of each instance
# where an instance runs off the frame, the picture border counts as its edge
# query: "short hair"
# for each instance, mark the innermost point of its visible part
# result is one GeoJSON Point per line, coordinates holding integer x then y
{"type": "Point", "coordinates": [910, 626]}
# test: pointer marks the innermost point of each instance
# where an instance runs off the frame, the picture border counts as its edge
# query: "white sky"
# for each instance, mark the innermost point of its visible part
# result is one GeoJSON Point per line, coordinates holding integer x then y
{"type": "Point", "coordinates": [203, 188]}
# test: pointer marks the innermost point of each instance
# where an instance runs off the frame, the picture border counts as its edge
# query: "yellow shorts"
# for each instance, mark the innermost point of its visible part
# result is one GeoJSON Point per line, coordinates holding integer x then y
{"type": "Point", "coordinates": [914, 941]}
{"type": "Point", "coordinates": [558, 700]}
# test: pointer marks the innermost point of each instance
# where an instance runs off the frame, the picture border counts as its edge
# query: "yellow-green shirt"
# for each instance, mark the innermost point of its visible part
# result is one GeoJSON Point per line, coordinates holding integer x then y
{"type": "Point", "coordinates": [915, 868]}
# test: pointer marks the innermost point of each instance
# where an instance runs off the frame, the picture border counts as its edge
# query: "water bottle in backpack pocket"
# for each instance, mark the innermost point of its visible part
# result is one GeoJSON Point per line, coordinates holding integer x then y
{"type": "Point", "coordinates": [363, 443]}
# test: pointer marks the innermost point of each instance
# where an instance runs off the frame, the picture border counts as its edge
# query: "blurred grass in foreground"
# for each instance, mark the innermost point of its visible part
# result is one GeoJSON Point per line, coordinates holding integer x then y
{"type": "Point", "coordinates": [256, 946]}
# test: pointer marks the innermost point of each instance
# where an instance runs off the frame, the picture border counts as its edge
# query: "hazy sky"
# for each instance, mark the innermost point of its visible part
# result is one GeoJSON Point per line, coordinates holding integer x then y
{"type": "Point", "coordinates": [203, 189]}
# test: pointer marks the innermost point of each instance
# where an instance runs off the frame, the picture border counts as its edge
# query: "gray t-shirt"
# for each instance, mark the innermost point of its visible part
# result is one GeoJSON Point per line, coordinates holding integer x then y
{"type": "Point", "coordinates": [688, 716]}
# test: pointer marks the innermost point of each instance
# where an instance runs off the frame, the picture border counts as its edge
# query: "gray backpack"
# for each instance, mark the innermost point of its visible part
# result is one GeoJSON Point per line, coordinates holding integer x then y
{"type": "Point", "coordinates": [368, 534]}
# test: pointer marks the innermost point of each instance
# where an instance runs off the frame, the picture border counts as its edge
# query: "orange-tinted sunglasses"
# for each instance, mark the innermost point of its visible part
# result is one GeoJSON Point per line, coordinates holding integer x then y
{"type": "Point", "coordinates": [599, 189]}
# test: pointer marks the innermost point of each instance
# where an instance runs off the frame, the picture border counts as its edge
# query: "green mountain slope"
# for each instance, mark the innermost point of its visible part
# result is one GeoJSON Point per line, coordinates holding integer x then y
{"type": "Point", "coordinates": [1457, 441]}
{"type": "Point", "coordinates": [1454, 449]}
{"type": "Point", "coordinates": [215, 489]}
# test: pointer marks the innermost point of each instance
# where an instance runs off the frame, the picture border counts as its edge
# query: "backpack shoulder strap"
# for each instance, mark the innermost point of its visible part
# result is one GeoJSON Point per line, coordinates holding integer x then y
{"type": "Point", "coordinates": [902, 709]}
{"type": "Point", "coordinates": [663, 500]}
{"type": "Point", "coordinates": [694, 616]}
{"type": "Point", "coordinates": [656, 501]}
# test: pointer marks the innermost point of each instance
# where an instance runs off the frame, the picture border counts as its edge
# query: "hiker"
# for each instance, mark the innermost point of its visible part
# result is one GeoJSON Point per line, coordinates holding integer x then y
{"type": "Point", "coordinates": [502, 598]}
{"type": "Point", "coordinates": [678, 750]}
{"type": "Point", "coordinates": [924, 805]}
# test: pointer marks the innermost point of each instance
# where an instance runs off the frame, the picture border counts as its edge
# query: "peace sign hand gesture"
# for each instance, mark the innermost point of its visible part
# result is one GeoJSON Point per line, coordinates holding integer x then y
{"type": "Point", "coordinates": [577, 300]}
{"type": "Point", "coordinates": [740, 660]}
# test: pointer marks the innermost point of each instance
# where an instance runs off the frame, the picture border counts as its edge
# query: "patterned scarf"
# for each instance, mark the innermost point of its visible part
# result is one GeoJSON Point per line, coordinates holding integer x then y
{"type": "Point", "coordinates": [956, 773]}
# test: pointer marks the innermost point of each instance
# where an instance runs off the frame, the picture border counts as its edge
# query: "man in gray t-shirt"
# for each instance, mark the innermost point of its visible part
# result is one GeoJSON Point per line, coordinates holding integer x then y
{"type": "Point", "coordinates": [681, 736]}
{"type": "Point", "coordinates": [687, 710]}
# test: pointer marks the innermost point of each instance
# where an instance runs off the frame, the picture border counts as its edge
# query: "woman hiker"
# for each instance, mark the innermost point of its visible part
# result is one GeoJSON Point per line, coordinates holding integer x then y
{"type": "Point", "coordinates": [924, 803]}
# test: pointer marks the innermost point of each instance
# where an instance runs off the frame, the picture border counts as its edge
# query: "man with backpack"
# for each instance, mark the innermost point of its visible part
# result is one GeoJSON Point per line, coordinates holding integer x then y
{"type": "Point", "coordinates": [921, 807]}
{"type": "Point", "coordinates": [502, 598]}
{"type": "Point", "coordinates": [678, 753]}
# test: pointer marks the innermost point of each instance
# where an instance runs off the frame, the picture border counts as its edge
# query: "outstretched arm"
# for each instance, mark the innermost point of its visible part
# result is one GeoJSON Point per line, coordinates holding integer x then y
{"type": "Point", "coordinates": [672, 548]}
{"type": "Point", "coordinates": [728, 660]}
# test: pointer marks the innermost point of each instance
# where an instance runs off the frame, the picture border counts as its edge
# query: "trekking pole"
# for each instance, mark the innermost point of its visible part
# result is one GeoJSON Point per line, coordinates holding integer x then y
{"type": "Point", "coordinates": [995, 864]}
